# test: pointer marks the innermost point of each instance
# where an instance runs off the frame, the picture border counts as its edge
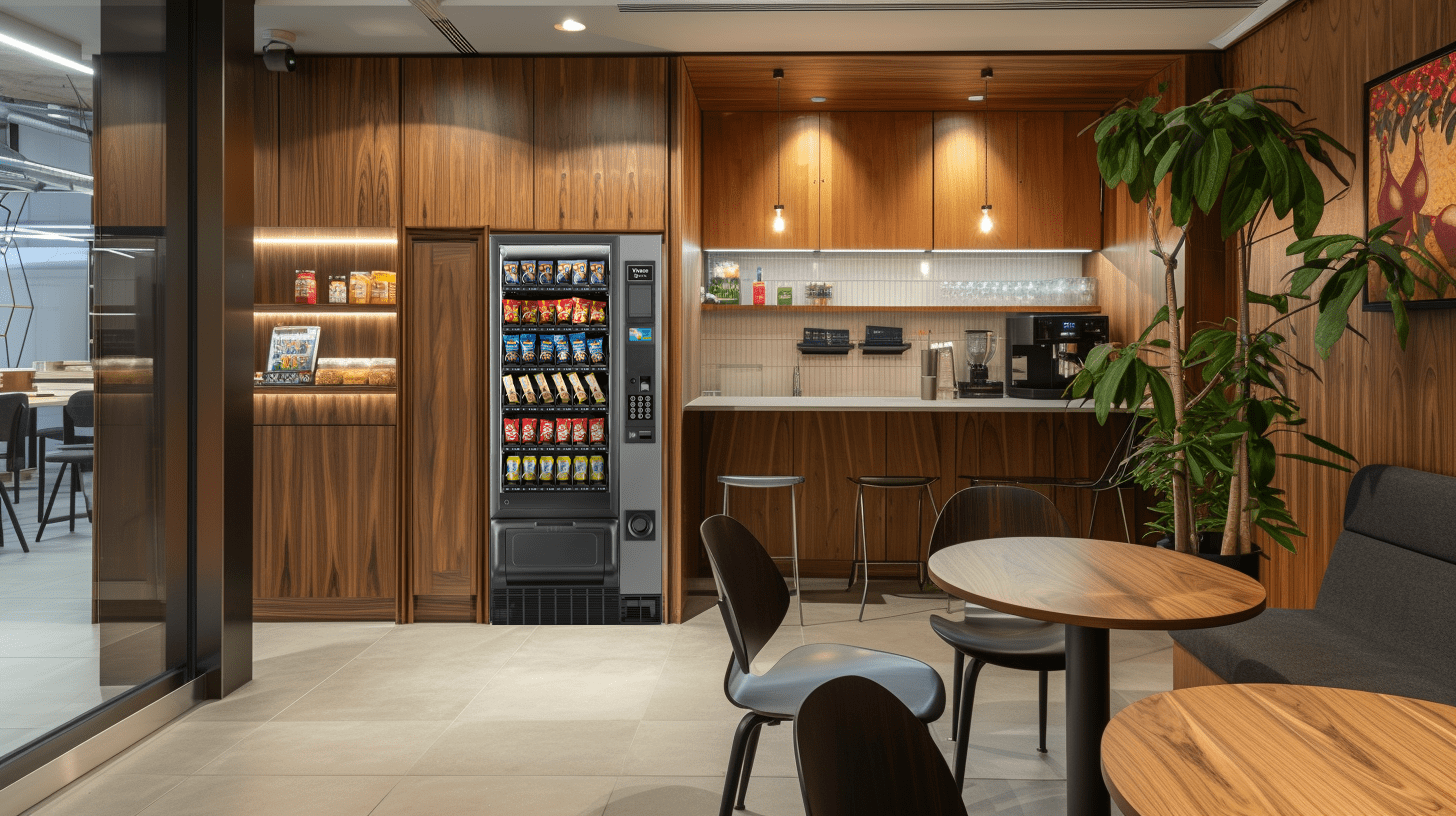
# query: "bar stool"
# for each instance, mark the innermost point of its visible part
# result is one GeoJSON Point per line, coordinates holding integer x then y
{"type": "Point", "coordinates": [767, 482]}
{"type": "Point", "coordinates": [861, 537]}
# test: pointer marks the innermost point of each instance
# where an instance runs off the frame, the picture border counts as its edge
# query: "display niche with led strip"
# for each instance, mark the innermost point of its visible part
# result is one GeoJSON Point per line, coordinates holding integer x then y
{"type": "Point", "coordinates": [345, 281]}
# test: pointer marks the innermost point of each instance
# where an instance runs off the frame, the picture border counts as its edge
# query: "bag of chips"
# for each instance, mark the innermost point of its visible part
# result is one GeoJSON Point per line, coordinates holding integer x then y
{"type": "Point", "coordinates": [598, 274]}
{"type": "Point", "coordinates": [596, 350]}
{"type": "Point", "coordinates": [579, 311]}
{"type": "Point", "coordinates": [528, 272]}
{"type": "Point", "coordinates": [578, 273]}
{"type": "Point", "coordinates": [530, 312]}
{"type": "Point", "coordinates": [528, 347]}
{"type": "Point", "coordinates": [563, 273]}
{"type": "Point", "coordinates": [528, 431]}
{"type": "Point", "coordinates": [563, 348]}
{"type": "Point", "coordinates": [545, 272]}
{"type": "Point", "coordinates": [511, 272]}
{"type": "Point", "coordinates": [597, 430]}
{"type": "Point", "coordinates": [578, 348]}
{"type": "Point", "coordinates": [513, 348]}
{"type": "Point", "coordinates": [563, 430]}
{"type": "Point", "coordinates": [512, 311]}
{"type": "Point", "coordinates": [598, 313]}
{"type": "Point", "coordinates": [512, 430]}
{"type": "Point", "coordinates": [546, 434]}
{"type": "Point", "coordinates": [563, 311]}
{"type": "Point", "coordinates": [578, 431]}
{"type": "Point", "coordinates": [548, 311]}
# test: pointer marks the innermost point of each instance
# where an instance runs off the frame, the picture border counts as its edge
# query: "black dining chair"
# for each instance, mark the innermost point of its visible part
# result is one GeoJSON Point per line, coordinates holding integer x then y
{"type": "Point", "coordinates": [754, 601]}
{"type": "Point", "coordinates": [984, 635]}
{"type": "Point", "coordinates": [879, 761]}
{"type": "Point", "coordinates": [14, 414]}
{"type": "Point", "coordinates": [74, 457]}
{"type": "Point", "coordinates": [79, 412]}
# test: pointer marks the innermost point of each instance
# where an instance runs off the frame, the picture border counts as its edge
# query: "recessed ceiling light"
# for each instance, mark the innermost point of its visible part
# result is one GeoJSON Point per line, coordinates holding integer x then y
{"type": "Point", "coordinates": [570, 25]}
{"type": "Point", "coordinates": [44, 54]}
{"type": "Point", "coordinates": [976, 98]}
{"type": "Point", "coordinates": [56, 115]}
{"type": "Point", "coordinates": [818, 99]}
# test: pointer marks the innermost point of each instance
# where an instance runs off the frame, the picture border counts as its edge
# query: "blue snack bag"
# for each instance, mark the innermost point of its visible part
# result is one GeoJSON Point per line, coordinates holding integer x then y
{"type": "Point", "coordinates": [528, 348]}
{"type": "Point", "coordinates": [595, 350]}
{"type": "Point", "coordinates": [563, 349]}
{"type": "Point", "coordinates": [513, 348]}
{"type": "Point", "coordinates": [578, 347]}
{"type": "Point", "coordinates": [563, 273]}
{"type": "Point", "coordinates": [548, 349]}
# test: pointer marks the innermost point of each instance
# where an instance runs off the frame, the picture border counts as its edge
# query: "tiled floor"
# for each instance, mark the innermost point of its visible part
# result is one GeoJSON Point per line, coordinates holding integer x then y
{"type": "Point", "coordinates": [353, 719]}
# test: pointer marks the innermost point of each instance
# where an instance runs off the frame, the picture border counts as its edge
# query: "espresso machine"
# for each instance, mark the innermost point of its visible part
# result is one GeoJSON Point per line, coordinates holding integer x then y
{"type": "Point", "coordinates": [980, 348]}
{"type": "Point", "coordinates": [1045, 352]}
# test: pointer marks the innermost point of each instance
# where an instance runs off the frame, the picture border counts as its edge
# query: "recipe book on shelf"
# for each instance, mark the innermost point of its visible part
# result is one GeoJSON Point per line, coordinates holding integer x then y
{"type": "Point", "coordinates": [292, 353]}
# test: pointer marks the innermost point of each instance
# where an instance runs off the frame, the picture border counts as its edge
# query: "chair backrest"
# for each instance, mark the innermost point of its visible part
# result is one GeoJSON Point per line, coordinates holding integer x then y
{"type": "Point", "coordinates": [751, 592]}
{"type": "Point", "coordinates": [13, 411]}
{"type": "Point", "coordinates": [996, 511]}
{"type": "Point", "coordinates": [80, 412]}
{"type": "Point", "coordinates": [862, 753]}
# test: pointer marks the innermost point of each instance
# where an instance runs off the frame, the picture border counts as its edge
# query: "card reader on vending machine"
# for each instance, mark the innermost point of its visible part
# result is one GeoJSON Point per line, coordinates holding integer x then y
{"type": "Point", "coordinates": [641, 352]}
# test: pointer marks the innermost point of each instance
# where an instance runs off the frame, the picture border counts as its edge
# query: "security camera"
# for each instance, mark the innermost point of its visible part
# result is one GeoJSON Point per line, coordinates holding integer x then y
{"type": "Point", "coordinates": [278, 51]}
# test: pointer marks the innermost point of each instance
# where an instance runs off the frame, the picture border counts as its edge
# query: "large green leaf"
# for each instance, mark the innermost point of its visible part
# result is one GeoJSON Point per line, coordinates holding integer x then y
{"type": "Point", "coordinates": [1218, 150]}
{"type": "Point", "coordinates": [1261, 461]}
{"type": "Point", "coordinates": [1108, 387]}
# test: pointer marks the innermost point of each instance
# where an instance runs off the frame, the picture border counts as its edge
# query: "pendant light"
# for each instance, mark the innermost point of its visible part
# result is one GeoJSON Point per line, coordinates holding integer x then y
{"type": "Point", "coordinates": [778, 220]}
{"type": "Point", "coordinates": [986, 149]}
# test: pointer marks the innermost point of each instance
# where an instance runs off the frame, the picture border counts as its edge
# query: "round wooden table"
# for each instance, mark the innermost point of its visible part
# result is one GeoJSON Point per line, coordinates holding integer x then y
{"type": "Point", "coordinates": [1093, 586]}
{"type": "Point", "coordinates": [1276, 750]}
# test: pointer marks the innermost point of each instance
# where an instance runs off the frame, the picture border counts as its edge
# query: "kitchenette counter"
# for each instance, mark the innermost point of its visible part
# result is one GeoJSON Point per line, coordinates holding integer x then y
{"type": "Point", "coordinates": [992, 405]}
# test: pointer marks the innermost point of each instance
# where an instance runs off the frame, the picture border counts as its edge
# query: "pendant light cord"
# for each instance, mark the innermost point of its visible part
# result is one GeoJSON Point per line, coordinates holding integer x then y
{"type": "Point", "coordinates": [986, 137]}
{"type": "Point", "coordinates": [779, 137]}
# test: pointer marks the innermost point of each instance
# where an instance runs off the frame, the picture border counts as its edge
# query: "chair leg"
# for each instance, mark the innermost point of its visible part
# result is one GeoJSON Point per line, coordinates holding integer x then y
{"type": "Point", "coordinates": [40, 464]}
{"type": "Point", "coordinates": [47, 514]}
{"type": "Point", "coordinates": [963, 725]}
{"type": "Point", "coordinates": [854, 549]}
{"type": "Point", "coordinates": [864, 540]}
{"type": "Point", "coordinates": [794, 530]}
{"type": "Point", "coordinates": [748, 755]}
{"type": "Point", "coordinates": [1121, 508]}
{"type": "Point", "coordinates": [1042, 705]}
{"type": "Point", "coordinates": [955, 695]}
{"type": "Point", "coordinates": [15, 480]}
{"type": "Point", "coordinates": [75, 485]}
{"type": "Point", "coordinates": [725, 499]}
{"type": "Point", "coordinates": [1092, 519]}
{"type": "Point", "coordinates": [14, 521]}
{"type": "Point", "coordinates": [746, 728]}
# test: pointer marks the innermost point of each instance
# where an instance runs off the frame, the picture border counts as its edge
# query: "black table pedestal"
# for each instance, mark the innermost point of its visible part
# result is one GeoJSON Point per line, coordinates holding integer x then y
{"type": "Point", "coordinates": [1088, 692]}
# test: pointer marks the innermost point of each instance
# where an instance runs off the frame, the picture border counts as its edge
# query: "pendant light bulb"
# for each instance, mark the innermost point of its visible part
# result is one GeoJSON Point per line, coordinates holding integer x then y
{"type": "Point", "coordinates": [986, 224]}
{"type": "Point", "coordinates": [778, 222]}
{"type": "Point", "coordinates": [778, 219]}
{"type": "Point", "coordinates": [986, 218]}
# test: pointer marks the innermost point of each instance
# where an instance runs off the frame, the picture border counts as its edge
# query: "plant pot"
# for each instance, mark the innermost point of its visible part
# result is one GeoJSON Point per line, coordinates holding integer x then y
{"type": "Point", "coordinates": [1208, 547]}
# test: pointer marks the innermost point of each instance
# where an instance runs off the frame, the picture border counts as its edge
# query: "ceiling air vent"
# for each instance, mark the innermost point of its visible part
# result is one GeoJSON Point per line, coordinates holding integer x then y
{"type": "Point", "coordinates": [431, 9]}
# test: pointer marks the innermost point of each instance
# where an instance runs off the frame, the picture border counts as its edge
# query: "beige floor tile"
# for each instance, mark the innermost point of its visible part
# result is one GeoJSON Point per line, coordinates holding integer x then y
{"type": "Point", "coordinates": [259, 700]}
{"type": "Point", "coordinates": [534, 748]}
{"type": "Point", "coordinates": [1150, 672]}
{"type": "Point", "coordinates": [107, 795]}
{"type": "Point", "coordinates": [565, 646]}
{"type": "Point", "coordinates": [1007, 750]}
{"type": "Point", "coordinates": [434, 689]}
{"type": "Point", "coordinates": [428, 641]}
{"type": "Point", "coordinates": [273, 796]}
{"type": "Point", "coordinates": [692, 689]}
{"type": "Point", "coordinates": [700, 796]}
{"type": "Point", "coordinates": [272, 640]}
{"type": "Point", "coordinates": [498, 796]}
{"type": "Point", "coordinates": [182, 748]}
{"type": "Point", "coordinates": [613, 689]}
{"type": "Point", "coordinates": [327, 749]}
{"type": "Point", "coordinates": [701, 749]}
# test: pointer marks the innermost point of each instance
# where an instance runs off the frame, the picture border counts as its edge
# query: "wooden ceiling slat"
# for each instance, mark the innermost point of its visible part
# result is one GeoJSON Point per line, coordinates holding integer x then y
{"type": "Point", "coordinates": [941, 82]}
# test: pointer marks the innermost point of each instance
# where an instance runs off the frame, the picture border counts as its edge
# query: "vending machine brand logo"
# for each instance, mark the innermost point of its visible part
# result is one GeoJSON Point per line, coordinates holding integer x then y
{"type": "Point", "coordinates": [640, 271]}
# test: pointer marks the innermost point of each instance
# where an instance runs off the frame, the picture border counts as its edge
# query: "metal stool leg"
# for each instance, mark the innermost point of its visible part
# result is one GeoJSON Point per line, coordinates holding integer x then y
{"type": "Point", "coordinates": [865, 550]}
{"type": "Point", "coordinates": [1121, 508]}
{"type": "Point", "coordinates": [794, 520]}
{"type": "Point", "coordinates": [854, 552]}
{"type": "Point", "coordinates": [955, 695]}
{"type": "Point", "coordinates": [1042, 710]}
{"type": "Point", "coordinates": [1092, 519]}
{"type": "Point", "coordinates": [725, 498]}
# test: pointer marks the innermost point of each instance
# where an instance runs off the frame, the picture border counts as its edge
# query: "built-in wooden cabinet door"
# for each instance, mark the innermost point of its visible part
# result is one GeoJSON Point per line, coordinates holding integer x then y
{"type": "Point", "coordinates": [324, 531]}
{"type": "Point", "coordinates": [1082, 198]}
{"type": "Point", "coordinates": [467, 155]}
{"type": "Point", "coordinates": [601, 143]}
{"type": "Point", "coordinates": [829, 447]}
{"type": "Point", "coordinates": [968, 146]}
{"type": "Point", "coordinates": [878, 187]}
{"type": "Point", "coordinates": [750, 443]}
{"type": "Point", "coordinates": [128, 152]}
{"type": "Point", "coordinates": [445, 398]}
{"type": "Point", "coordinates": [338, 143]}
{"type": "Point", "coordinates": [1041, 181]}
{"type": "Point", "coordinates": [741, 187]}
{"type": "Point", "coordinates": [917, 443]}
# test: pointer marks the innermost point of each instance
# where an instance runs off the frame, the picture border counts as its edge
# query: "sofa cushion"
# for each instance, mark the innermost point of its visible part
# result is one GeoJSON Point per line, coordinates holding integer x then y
{"type": "Point", "coordinates": [1411, 509]}
{"type": "Point", "coordinates": [1307, 647]}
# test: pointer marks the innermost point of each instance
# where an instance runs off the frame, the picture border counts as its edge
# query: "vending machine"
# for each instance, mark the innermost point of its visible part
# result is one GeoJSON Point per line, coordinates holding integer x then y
{"type": "Point", "coordinates": [576, 489]}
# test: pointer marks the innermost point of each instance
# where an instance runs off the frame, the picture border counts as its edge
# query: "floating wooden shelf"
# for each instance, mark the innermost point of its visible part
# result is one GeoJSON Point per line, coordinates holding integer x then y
{"type": "Point", "coordinates": [325, 308]}
{"type": "Point", "coordinates": [723, 307]}
{"type": "Point", "coordinates": [324, 389]}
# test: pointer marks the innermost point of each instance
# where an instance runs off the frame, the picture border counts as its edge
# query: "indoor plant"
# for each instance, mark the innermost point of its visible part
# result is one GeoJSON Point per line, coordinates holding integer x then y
{"type": "Point", "coordinates": [1211, 408]}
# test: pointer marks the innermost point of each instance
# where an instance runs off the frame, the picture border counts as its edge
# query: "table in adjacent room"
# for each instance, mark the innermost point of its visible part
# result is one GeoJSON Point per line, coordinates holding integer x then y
{"type": "Point", "coordinates": [1092, 586]}
{"type": "Point", "coordinates": [1281, 750]}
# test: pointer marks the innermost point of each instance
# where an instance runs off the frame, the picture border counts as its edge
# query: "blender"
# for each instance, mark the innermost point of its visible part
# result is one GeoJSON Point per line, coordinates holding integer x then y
{"type": "Point", "coordinates": [980, 346]}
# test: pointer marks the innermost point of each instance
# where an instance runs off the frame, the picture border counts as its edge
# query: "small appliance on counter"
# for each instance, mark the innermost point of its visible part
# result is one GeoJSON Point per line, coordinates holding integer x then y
{"type": "Point", "coordinates": [980, 348]}
{"type": "Point", "coordinates": [1045, 352]}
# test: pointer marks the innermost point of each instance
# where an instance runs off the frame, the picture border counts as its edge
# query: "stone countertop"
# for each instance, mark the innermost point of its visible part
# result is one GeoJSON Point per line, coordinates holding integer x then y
{"type": "Point", "coordinates": [991, 405]}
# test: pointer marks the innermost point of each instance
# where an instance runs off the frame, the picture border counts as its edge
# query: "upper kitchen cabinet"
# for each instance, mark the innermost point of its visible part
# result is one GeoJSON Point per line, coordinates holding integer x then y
{"type": "Point", "coordinates": [877, 186]}
{"type": "Point", "coordinates": [1058, 203]}
{"type": "Point", "coordinates": [338, 143]}
{"type": "Point", "coordinates": [740, 186]}
{"type": "Point", "coordinates": [601, 143]}
{"type": "Point", "coordinates": [962, 184]}
{"type": "Point", "coordinates": [467, 153]}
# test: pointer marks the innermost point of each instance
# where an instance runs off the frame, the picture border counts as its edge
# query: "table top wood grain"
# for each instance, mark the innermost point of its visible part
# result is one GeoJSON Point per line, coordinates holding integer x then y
{"type": "Point", "coordinates": [1103, 584]}
{"type": "Point", "coordinates": [1281, 750]}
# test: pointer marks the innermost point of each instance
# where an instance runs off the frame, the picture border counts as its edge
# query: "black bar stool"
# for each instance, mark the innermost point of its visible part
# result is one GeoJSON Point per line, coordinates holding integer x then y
{"type": "Point", "coordinates": [72, 457]}
{"type": "Point", "coordinates": [768, 482]}
{"type": "Point", "coordinates": [861, 538]}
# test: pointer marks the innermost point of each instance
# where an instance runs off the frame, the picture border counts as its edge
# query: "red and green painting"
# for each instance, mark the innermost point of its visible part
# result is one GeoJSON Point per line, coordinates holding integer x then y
{"type": "Point", "coordinates": [1411, 163]}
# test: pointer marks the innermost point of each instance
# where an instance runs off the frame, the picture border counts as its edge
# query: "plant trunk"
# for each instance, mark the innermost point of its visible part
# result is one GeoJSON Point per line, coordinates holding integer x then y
{"type": "Point", "coordinates": [1235, 507]}
{"type": "Point", "coordinates": [1185, 538]}
{"type": "Point", "coordinates": [1237, 530]}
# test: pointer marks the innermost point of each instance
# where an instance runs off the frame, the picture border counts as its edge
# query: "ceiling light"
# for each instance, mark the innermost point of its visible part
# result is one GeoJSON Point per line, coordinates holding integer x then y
{"type": "Point", "coordinates": [818, 99]}
{"type": "Point", "coordinates": [778, 219]}
{"type": "Point", "coordinates": [44, 54]}
{"type": "Point", "coordinates": [976, 98]}
{"type": "Point", "coordinates": [56, 115]}
{"type": "Point", "coordinates": [570, 25]}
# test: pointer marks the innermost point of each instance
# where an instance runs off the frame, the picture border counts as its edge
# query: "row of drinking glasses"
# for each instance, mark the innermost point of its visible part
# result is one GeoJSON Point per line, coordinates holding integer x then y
{"type": "Point", "coordinates": [1046, 292]}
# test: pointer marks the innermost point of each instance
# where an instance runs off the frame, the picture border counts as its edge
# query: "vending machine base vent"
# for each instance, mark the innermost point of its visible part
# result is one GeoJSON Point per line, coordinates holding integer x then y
{"type": "Point", "coordinates": [555, 606]}
{"type": "Point", "coordinates": [641, 609]}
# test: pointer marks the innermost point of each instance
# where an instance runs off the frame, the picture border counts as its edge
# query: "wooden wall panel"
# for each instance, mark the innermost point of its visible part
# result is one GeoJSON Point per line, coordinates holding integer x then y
{"type": "Point", "coordinates": [324, 512]}
{"type": "Point", "coordinates": [265, 146]}
{"type": "Point", "coordinates": [1374, 399]}
{"type": "Point", "coordinates": [752, 443]}
{"type": "Point", "coordinates": [918, 443]}
{"type": "Point", "coordinates": [1041, 180]}
{"type": "Point", "coordinates": [829, 447]}
{"type": "Point", "coordinates": [1082, 192]}
{"type": "Point", "coordinates": [338, 142]}
{"type": "Point", "coordinates": [467, 154]}
{"type": "Point", "coordinates": [445, 398]}
{"type": "Point", "coordinates": [878, 188]}
{"type": "Point", "coordinates": [271, 408]}
{"type": "Point", "coordinates": [961, 184]}
{"type": "Point", "coordinates": [601, 143]}
{"type": "Point", "coordinates": [131, 134]}
{"type": "Point", "coordinates": [740, 187]}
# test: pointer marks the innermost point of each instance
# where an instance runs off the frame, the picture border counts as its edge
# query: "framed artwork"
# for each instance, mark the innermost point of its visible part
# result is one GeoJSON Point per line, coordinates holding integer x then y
{"type": "Point", "coordinates": [292, 353]}
{"type": "Point", "coordinates": [1410, 166]}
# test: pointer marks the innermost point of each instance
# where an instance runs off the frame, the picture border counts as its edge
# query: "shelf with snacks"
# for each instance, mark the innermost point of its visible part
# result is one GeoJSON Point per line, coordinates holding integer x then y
{"type": "Point", "coordinates": [554, 486]}
{"type": "Point", "coordinates": [555, 450]}
{"type": "Point", "coordinates": [324, 389]}
{"type": "Point", "coordinates": [547, 368]}
{"type": "Point", "coordinates": [562, 290]}
{"type": "Point", "coordinates": [332, 309]}
{"type": "Point", "coordinates": [527, 276]}
{"type": "Point", "coordinates": [538, 409]}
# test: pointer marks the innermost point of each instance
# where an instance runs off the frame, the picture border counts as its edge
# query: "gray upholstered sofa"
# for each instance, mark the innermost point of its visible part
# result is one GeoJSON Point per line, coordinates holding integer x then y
{"type": "Point", "coordinates": [1385, 619]}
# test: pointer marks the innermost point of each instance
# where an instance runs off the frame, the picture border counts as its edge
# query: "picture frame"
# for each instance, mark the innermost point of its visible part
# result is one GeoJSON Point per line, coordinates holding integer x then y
{"type": "Point", "coordinates": [292, 355]}
{"type": "Point", "coordinates": [1410, 167]}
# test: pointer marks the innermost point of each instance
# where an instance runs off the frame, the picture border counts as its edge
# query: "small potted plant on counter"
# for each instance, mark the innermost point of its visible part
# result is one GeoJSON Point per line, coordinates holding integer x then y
{"type": "Point", "coordinates": [1210, 410]}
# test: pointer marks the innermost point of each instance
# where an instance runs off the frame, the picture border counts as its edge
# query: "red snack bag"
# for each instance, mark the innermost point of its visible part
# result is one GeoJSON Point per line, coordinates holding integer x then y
{"type": "Point", "coordinates": [579, 311]}
{"type": "Point", "coordinates": [597, 430]}
{"type": "Point", "coordinates": [598, 312]}
{"type": "Point", "coordinates": [512, 310]}
{"type": "Point", "coordinates": [548, 311]}
{"type": "Point", "coordinates": [513, 431]}
{"type": "Point", "coordinates": [563, 310]}
{"type": "Point", "coordinates": [563, 430]}
{"type": "Point", "coordinates": [547, 434]}
{"type": "Point", "coordinates": [528, 431]}
{"type": "Point", "coordinates": [578, 431]}
{"type": "Point", "coordinates": [530, 311]}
